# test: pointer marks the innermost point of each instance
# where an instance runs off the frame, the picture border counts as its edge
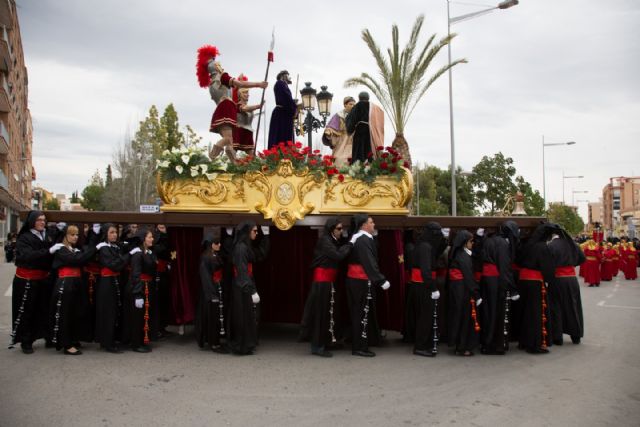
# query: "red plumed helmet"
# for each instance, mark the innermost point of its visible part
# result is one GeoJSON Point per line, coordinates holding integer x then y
{"type": "Point", "coordinates": [234, 91]}
{"type": "Point", "coordinates": [205, 53]}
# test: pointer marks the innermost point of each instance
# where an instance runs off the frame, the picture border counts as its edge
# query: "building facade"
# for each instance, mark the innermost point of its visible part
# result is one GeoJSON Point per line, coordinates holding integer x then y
{"type": "Point", "coordinates": [621, 206]}
{"type": "Point", "coordinates": [16, 132]}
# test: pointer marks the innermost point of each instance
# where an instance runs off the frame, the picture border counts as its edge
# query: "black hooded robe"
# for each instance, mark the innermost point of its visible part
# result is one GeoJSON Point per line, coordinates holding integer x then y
{"type": "Point", "coordinates": [68, 307]}
{"type": "Point", "coordinates": [244, 330]}
{"type": "Point", "coordinates": [162, 249]}
{"type": "Point", "coordinates": [108, 295]}
{"type": "Point", "coordinates": [31, 287]}
{"type": "Point", "coordinates": [357, 123]}
{"type": "Point", "coordinates": [497, 280]}
{"type": "Point", "coordinates": [361, 294]}
{"type": "Point", "coordinates": [564, 290]}
{"type": "Point", "coordinates": [318, 308]}
{"type": "Point", "coordinates": [137, 328]}
{"type": "Point", "coordinates": [208, 324]}
{"type": "Point", "coordinates": [463, 293]}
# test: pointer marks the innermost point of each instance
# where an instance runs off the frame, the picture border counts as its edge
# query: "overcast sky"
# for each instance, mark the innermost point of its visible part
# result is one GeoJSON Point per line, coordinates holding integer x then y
{"type": "Point", "coordinates": [567, 70]}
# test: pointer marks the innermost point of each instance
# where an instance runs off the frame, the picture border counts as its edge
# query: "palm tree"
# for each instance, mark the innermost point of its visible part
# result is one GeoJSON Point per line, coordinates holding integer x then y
{"type": "Point", "coordinates": [403, 81]}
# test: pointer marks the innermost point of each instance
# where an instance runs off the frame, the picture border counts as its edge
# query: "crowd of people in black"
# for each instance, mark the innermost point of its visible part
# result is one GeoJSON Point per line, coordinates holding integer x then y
{"type": "Point", "coordinates": [109, 284]}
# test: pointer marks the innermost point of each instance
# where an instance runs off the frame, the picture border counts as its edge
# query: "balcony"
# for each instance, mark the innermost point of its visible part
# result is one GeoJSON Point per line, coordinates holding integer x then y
{"type": "Point", "coordinates": [4, 182]}
{"type": "Point", "coordinates": [4, 95]}
{"type": "Point", "coordinates": [6, 56]}
{"type": "Point", "coordinates": [5, 139]}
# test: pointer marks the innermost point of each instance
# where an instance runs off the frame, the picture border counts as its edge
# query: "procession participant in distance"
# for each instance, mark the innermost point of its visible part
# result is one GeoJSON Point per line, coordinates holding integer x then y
{"type": "Point", "coordinates": [606, 268]}
{"type": "Point", "coordinates": [498, 282]}
{"type": "Point", "coordinates": [429, 247]}
{"type": "Point", "coordinates": [564, 290]}
{"type": "Point", "coordinates": [592, 264]}
{"type": "Point", "coordinates": [34, 251]}
{"type": "Point", "coordinates": [630, 261]}
{"type": "Point", "coordinates": [536, 271]}
{"type": "Point", "coordinates": [464, 296]}
{"type": "Point", "coordinates": [244, 333]}
{"type": "Point", "coordinates": [108, 293]}
{"type": "Point", "coordinates": [68, 305]}
{"type": "Point", "coordinates": [209, 323]}
{"type": "Point", "coordinates": [138, 296]}
{"type": "Point", "coordinates": [616, 259]}
{"type": "Point", "coordinates": [363, 277]}
{"type": "Point", "coordinates": [162, 250]}
{"type": "Point", "coordinates": [320, 302]}
{"type": "Point", "coordinates": [442, 270]}
{"type": "Point", "coordinates": [476, 255]}
{"type": "Point", "coordinates": [409, 325]}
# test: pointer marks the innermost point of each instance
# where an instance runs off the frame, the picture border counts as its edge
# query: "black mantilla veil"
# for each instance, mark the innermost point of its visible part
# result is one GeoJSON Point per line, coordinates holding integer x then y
{"type": "Point", "coordinates": [542, 233]}
{"type": "Point", "coordinates": [356, 222]}
{"type": "Point", "coordinates": [243, 233]}
{"type": "Point", "coordinates": [432, 234]}
{"type": "Point", "coordinates": [30, 222]}
{"type": "Point", "coordinates": [462, 237]}
{"type": "Point", "coordinates": [510, 231]}
{"type": "Point", "coordinates": [104, 231]}
{"type": "Point", "coordinates": [331, 225]}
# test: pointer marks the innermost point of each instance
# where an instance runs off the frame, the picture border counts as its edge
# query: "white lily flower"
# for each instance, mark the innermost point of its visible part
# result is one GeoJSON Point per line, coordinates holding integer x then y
{"type": "Point", "coordinates": [211, 176]}
{"type": "Point", "coordinates": [179, 169]}
{"type": "Point", "coordinates": [164, 164]}
{"type": "Point", "coordinates": [175, 150]}
{"type": "Point", "coordinates": [203, 167]}
{"type": "Point", "coordinates": [195, 171]}
{"type": "Point", "coordinates": [185, 159]}
{"type": "Point", "coordinates": [166, 153]}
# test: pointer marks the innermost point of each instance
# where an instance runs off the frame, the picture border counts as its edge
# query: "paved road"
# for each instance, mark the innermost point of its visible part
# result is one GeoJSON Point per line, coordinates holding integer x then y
{"type": "Point", "coordinates": [596, 383]}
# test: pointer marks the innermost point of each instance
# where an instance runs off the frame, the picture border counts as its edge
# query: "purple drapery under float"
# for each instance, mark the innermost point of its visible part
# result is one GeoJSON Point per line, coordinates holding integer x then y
{"type": "Point", "coordinates": [284, 278]}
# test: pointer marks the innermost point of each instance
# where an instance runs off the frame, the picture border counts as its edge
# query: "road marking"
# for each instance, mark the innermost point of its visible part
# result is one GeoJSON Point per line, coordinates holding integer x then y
{"type": "Point", "coordinates": [601, 303]}
{"type": "Point", "coordinates": [609, 296]}
{"type": "Point", "coordinates": [9, 292]}
{"type": "Point", "coordinates": [620, 306]}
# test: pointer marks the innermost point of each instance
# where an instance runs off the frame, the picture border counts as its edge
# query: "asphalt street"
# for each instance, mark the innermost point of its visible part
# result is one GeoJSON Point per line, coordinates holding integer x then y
{"type": "Point", "coordinates": [596, 383]}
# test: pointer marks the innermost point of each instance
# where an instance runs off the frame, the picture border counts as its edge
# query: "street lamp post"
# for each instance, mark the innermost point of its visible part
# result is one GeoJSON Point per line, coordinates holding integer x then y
{"type": "Point", "coordinates": [450, 21]}
{"type": "Point", "coordinates": [544, 186]}
{"type": "Point", "coordinates": [309, 123]}
{"type": "Point", "coordinates": [568, 177]}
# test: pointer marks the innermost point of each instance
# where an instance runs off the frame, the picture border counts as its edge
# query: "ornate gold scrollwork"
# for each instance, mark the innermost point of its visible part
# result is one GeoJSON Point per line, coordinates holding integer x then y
{"type": "Point", "coordinates": [210, 192]}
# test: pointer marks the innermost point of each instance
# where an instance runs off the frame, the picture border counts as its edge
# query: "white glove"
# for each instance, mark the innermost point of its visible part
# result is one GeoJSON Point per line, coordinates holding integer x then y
{"type": "Point", "coordinates": [101, 245]}
{"type": "Point", "coordinates": [386, 285]}
{"type": "Point", "coordinates": [96, 228]}
{"type": "Point", "coordinates": [435, 295]}
{"type": "Point", "coordinates": [55, 248]}
{"type": "Point", "coordinates": [229, 231]}
{"type": "Point", "coordinates": [480, 232]}
{"type": "Point", "coordinates": [135, 250]}
{"type": "Point", "coordinates": [515, 297]}
{"type": "Point", "coordinates": [139, 303]}
{"type": "Point", "coordinates": [61, 225]}
{"type": "Point", "coordinates": [478, 302]}
{"type": "Point", "coordinates": [255, 298]}
{"type": "Point", "coordinates": [265, 229]}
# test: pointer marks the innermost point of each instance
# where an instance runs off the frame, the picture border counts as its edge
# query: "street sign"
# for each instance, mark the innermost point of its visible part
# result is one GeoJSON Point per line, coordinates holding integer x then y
{"type": "Point", "coordinates": [149, 208]}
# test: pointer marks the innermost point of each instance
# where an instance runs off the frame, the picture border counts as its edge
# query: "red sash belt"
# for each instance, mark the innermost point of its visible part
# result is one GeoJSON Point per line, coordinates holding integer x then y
{"type": "Point", "coordinates": [441, 272]}
{"type": "Point", "coordinates": [477, 275]}
{"type": "Point", "coordinates": [490, 270]}
{"type": "Point", "coordinates": [107, 272]}
{"type": "Point", "coordinates": [527, 274]}
{"type": "Point", "coordinates": [162, 266]}
{"type": "Point", "coordinates": [355, 271]}
{"type": "Point", "coordinates": [145, 277]}
{"type": "Point", "coordinates": [30, 274]}
{"type": "Point", "coordinates": [69, 272]}
{"type": "Point", "coordinates": [455, 274]}
{"type": "Point", "coordinates": [321, 274]}
{"type": "Point", "coordinates": [217, 276]}
{"type": "Point", "coordinates": [92, 268]}
{"type": "Point", "coordinates": [608, 260]}
{"type": "Point", "coordinates": [566, 271]}
{"type": "Point", "coordinates": [416, 275]}
{"type": "Point", "coordinates": [515, 267]}
{"type": "Point", "coordinates": [592, 258]}
{"type": "Point", "coordinates": [249, 269]}
{"type": "Point", "coordinates": [632, 257]}
{"type": "Point", "coordinates": [615, 258]}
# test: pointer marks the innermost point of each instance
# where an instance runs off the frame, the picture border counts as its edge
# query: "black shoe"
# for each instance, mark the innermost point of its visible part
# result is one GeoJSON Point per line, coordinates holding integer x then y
{"type": "Point", "coordinates": [219, 349]}
{"type": "Point", "coordinates": [142, 349]}
{"type": "Point", "coordinates": [322, 353]}
{"type": "Point", "coordinates": [575, 340]}
{"type": "Point", "coordinates": [425, 353]}
{"type": "Point", "coordinates": [76, 353]}
{"type": "Point", "coordinates": [115, 350]}
{"type": "Point", "coordinates": [27, 349]}
{"type": "Point", "coordinates": [363, 353]}
{"type": "Point", "coordinates": [558, 342]}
